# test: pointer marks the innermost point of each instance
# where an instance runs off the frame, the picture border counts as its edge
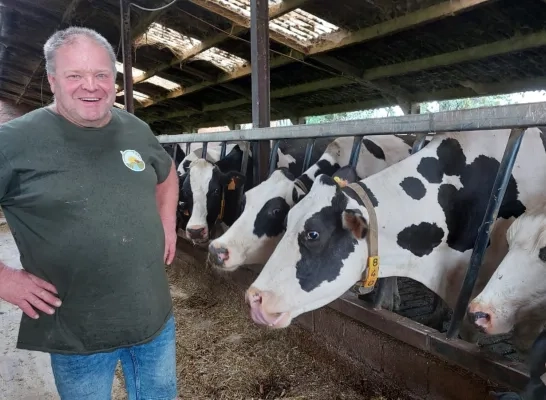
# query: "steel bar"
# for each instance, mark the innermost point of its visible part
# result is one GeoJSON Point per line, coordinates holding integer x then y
{"type": "Point", "coordinates": [259, 46]}
{"type": "Point", "coordinates": [204, 151]}
{"type": "Point", "coordinates": [486, 118]}
{"type": "Point", "coordinates": [175, 151]}
{"type": "Point", "coordinates": [126, 46]}
{"type": "Point", "coordinates": [272, 156]}
{"type": "Point", "coordinates": [308, 153]}
{"type": "Point", "coordinates": [223, 150]}
{"type": "Point", "coordinates": [495, 200]}
{"type": "Point", "coordinates": [355, 151]}
{"type": "Point", "coordinates": [188, 148]}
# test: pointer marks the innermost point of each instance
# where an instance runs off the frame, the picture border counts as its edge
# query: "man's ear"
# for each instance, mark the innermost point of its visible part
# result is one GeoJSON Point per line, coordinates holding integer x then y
{"type": "Point", "coordinates": [232, 180]}
{"type": "Point", "coordinates": [354, 222]}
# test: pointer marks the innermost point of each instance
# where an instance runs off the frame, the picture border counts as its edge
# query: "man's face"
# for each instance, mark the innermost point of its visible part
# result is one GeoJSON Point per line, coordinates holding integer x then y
{"type": "Point", "coordinates": [84, 83]}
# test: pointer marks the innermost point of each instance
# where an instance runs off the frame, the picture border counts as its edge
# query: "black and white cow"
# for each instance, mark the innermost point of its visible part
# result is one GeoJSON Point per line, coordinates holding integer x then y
{"type": "Point", "coordinates": [515, 296]}
{"type": "Point", "coordinates": [180, 154]}
{"type": "Point", "coordinates": [258, 230]}
{"type": "Point", "coordinates": [536, 386]}
{"type": "Point", "coordinates": [208, 192]}
{"type": "Point", "coordinates": [428, 206]}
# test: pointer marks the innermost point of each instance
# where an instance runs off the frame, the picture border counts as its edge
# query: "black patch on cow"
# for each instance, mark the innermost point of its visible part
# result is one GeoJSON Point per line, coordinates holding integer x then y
{"type": "Point", "coordinates": [270, 219]}
{"type": "Point", "coordinates": [327, 180]}
{"type": "Point", "coordinates": [307, 182]}
{"type": "Point", "coordinates": [543, 137]}
{"type": "Point", "coordinates": [374, 149]}
{"type": "Point", "coordinates": [323, 256]}
{"type": "Point", "coordinates": [324, 167]}
{"type": "Point", "coordinates": [430, 169]}
{"type": "Point", "coordinates": [464, 208]}
{"type": "Point", "coordinates": [413, 187]}
{"type": "Point", "coordinates": [295, 196]}
{"type": "Point", "coordinates": [420, 239]}
{"type": "Point", "coordinates": [286, 172]}
{"type": "Point", "coordinates": [186, 165]}
{"type": "Point", "coordinates": [542, 254]}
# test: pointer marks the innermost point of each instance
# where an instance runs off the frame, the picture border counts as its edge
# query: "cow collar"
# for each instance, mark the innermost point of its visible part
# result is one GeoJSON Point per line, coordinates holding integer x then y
{"type": "Point", "coordinates": [371, 271]}
{"type": "Point", "coordinates": [300, 185]}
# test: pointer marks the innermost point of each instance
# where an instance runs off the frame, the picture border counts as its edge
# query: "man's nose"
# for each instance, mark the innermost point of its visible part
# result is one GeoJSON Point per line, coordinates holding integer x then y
{"type": "Point", "coordinates": [89, 83]}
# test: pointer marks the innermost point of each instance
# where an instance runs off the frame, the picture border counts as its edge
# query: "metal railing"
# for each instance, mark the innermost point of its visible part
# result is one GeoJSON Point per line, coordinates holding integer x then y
{"type": "Point", "coordinates": [515, 117]}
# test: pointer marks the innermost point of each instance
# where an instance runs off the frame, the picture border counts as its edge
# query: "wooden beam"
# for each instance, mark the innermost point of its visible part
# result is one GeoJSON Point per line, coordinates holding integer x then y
{"type": "Point", "coordinates": [68, 14]}
{"type": "Point", "coordinates": [433, 13]}
{"type": "Point", "coordinates": [487, 89]}
{"type": "Point", "coordinates": [274, 12]}
{"type": "Point", "coordinates": [13, 96]}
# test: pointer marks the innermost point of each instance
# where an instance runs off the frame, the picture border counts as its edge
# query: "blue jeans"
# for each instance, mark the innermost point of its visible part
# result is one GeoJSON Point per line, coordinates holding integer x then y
{"type": "Point", "coordinates": [149, 370]}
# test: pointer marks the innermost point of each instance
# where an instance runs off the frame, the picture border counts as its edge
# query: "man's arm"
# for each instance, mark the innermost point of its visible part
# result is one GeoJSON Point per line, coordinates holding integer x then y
{"type": "Point", "coordinates": [167, 202]}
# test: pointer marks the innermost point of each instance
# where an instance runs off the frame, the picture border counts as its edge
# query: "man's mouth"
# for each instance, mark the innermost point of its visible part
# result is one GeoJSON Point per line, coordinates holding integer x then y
{"type": "Point", "coordinates": [90, 99]}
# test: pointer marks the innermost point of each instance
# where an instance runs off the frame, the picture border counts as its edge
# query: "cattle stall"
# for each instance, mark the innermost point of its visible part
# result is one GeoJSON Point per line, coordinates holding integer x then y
{"type": "Point", "coordinates": [402, 325]}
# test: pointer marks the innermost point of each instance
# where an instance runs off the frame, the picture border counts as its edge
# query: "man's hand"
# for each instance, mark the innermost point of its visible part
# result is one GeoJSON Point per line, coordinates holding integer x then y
{"type": "Point", "coordinates": [26, 291]}
{"type": "Point", "coordinates": [170, 246]}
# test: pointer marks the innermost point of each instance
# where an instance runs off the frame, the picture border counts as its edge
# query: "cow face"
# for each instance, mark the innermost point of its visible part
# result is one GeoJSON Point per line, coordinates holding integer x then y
{"type": "Point", "coordinates": [203, 191]}
{"type": "Point", "coordinates": [517, 289]}
{"type": "Point", "coordinates": [255, 234]}
{"type": "Point", "coordinates": [319, 257]}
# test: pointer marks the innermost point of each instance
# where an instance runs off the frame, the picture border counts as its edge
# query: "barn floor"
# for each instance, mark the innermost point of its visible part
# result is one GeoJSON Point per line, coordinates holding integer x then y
{"type": "Point", "coordinates": [221, 353]}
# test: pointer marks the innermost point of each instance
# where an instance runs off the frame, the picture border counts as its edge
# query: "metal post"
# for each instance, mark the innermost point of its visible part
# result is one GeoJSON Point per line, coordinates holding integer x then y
{"type": "Point", "coordinates": [126, 46]}
{"type": "Point", "coordinates": [308, 153]}
{"type": "Point", "coordinates": [223, 150]}
{"type": "Point", "coordinates": [355, 151]}
{"type": "Point", "coordinates": [204, 151]}
{"type": "Point", "coordinates": [273, 157]}
{"type": "Point", "coordinates": [259, 45]}
{"type": "Point", "coordinates": [495, 200]}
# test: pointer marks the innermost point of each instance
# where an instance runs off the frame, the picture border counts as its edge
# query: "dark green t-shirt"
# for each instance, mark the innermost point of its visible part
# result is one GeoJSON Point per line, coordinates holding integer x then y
{"type": "Point", "coordinates": [81, 205]}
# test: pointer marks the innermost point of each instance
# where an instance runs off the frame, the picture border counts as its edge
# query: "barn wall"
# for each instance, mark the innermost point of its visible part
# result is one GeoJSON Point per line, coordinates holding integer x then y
{"type": "Point", "coordinates": [9, 110]}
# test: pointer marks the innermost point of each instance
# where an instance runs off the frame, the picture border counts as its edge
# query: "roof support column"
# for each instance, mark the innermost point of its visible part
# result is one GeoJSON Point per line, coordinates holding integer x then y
{"type": "Point", "coordinates": [259, 44]}
{"type": "Point", "coordinates": [126, 45]}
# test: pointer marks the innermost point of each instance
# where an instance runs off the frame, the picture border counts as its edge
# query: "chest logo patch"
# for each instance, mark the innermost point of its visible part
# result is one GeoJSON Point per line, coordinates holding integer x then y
{"type": "Point", "coordinates": [133, 160]}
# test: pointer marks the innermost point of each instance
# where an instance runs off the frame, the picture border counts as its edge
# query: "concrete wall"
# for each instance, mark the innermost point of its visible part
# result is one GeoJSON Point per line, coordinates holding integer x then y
{"type": "Point", "coordinates": [9, 110]}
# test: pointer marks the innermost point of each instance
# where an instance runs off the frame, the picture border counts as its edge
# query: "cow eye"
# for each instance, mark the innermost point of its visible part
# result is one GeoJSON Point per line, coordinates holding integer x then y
{"type": "Point", "coordinates": [276, 212]}
{"type": "Point", "coordinates": [312, 235]}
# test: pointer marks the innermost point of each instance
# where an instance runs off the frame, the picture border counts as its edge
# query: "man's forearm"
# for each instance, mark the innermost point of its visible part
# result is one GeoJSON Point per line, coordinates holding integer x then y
{"type": "Point", "coordinates": [167, 200]}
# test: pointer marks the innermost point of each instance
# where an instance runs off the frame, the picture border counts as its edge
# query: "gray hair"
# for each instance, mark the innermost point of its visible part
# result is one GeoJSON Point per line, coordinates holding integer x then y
{"type": "Point", "coordinates": [69, 36]}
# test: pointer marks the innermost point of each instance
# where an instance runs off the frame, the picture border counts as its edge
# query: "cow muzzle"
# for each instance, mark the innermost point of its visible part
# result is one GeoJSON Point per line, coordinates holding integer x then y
{"type": "Point", "coordinates": [480, 317]}
{"type": "Point", "coordinates": [198, 234]}
{"type": "Point", "coordinates": [219, 255]}
{"type": "Point", "coordinates": [259, 302]}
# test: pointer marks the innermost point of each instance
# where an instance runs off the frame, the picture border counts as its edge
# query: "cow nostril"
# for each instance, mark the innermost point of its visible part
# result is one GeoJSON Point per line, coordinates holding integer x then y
{"type": "Point", "coordinates": [481, 315]}
{"type": "Point", "coordinates": [253, 296]}
{"type": "Point", "coordinates": [193, 232]}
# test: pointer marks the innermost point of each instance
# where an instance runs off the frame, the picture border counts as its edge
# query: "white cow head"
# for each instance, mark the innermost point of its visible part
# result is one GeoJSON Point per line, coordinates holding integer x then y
{"type": "Point", "coordinates": [517, 289]}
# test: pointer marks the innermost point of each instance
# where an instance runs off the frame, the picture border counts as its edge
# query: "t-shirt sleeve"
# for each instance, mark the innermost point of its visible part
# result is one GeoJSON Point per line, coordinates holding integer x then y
{"type": "Point", "coordinates": [6, 173]}
{"type": "Point", "coordinates": [161, 160]}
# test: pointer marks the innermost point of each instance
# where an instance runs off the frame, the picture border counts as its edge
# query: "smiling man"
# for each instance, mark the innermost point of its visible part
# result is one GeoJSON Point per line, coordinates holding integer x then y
{"type": "Point", "coordinates": [90, 197]}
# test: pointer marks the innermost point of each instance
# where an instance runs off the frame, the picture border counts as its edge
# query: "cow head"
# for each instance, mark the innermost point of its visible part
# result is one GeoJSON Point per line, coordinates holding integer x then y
{"type": "Point", "coordinates": [320, 256]}
{"type": "Point", "coordinates": [517, 288]}
{"type": "Point", "coordinates": [203, 192]}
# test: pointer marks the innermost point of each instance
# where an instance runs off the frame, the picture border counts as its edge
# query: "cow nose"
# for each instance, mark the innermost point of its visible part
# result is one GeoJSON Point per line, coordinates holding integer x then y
{"type": "Point", "coordinates": [480, 318]}
{"type": "Point", "coordinates": [196, 232]}
{"type": "Point", "coordinates": [258, 301]}
{"type": "Point", "coordinates": [220, 254]}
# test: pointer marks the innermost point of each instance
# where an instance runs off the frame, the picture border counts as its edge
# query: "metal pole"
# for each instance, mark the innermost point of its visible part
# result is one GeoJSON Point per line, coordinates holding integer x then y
{"type": "Point", "coordinates": [126, 46]}
{"type": "Point", "coordinates": [259, 46]}
{"type": "Point", "coordinates": [495, 200]}
{"type": "Point", "coordinates": [273, 157]}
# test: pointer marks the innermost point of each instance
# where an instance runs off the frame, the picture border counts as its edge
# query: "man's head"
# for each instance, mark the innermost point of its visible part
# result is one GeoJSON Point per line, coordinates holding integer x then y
{"type": "Point", "coordinates": [81, 71]}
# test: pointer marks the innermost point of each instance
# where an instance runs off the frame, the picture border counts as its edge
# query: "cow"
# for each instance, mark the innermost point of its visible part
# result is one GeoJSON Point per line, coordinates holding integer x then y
{"type": "Point", "coordinates": [180, 154]}
{"type": "Point", "coordinates": [196, 151]}
{"type": "Point", "coordinates": [515, 296]}
{"type": "Point", "coordinates": [199, 190]}
{"type": "Point", "coordinates": [428, 206]}
{"type": "Point", "coordinates": [536, 386]}
{"type": "Point", "coordinates": [209, 192]}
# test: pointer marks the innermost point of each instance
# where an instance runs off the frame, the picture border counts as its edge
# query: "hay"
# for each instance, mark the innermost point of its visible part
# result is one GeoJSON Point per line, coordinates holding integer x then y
{"type": "Point", "coordinates": [221, 354]}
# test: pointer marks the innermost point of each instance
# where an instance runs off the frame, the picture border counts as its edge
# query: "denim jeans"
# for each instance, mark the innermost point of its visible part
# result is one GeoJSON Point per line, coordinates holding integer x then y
{"type": "Point", "coordinates": [149, 370]}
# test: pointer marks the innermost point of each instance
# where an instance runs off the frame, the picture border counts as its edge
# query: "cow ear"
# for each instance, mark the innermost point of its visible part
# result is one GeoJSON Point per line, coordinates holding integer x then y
{"type": "Point", "coordinates": [345, 176]}
{"type": "Point", "coordinates": [354, 222]}
{"type": "Point", "coordinates": [233, 180]}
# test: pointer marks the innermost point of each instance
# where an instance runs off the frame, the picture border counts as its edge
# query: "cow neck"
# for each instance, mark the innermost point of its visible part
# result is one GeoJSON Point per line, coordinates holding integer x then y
{"type": "Point", "coordinates": [371, 271]}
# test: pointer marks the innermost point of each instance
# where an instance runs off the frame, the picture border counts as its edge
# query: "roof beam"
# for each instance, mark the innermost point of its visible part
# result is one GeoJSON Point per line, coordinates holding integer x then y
{"type": "Point", "coordinates": [274, 12]}
{"type": "Point", "coordinates": [244, 22]}
{"type": "Point", "coordinates": [517, 43]}
{"type": "Point", "coordinates": [430, 14]}
{"type": "Point", "coordinates": [407, 21]}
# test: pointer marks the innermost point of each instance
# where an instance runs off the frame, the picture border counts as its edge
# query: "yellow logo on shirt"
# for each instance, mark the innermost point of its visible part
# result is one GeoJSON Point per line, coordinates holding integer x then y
{"type": "Point", "coordinates": [133, 160]}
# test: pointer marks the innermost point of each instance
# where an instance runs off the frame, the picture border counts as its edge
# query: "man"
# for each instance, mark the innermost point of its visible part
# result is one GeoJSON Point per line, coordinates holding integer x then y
{"type": "Point", "coordinates": [90, 197]}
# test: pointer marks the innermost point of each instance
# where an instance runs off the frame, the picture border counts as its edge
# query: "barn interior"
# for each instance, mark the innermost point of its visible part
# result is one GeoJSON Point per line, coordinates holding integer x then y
{"type": "Point", "coordinates": [191, 65]}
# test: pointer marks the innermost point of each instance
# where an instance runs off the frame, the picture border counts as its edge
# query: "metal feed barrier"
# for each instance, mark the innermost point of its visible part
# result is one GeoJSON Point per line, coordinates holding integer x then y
{"type": "Point", "coordinates": [516, 117]}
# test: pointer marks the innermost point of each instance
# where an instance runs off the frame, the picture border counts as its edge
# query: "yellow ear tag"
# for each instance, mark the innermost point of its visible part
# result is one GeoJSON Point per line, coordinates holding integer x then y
{"type": "Point", "coordinates": [231, 184]}
{"type": "Point", "coordinates": [340, 182]}
{"type": "Point", "coordinates": [373, 271]}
